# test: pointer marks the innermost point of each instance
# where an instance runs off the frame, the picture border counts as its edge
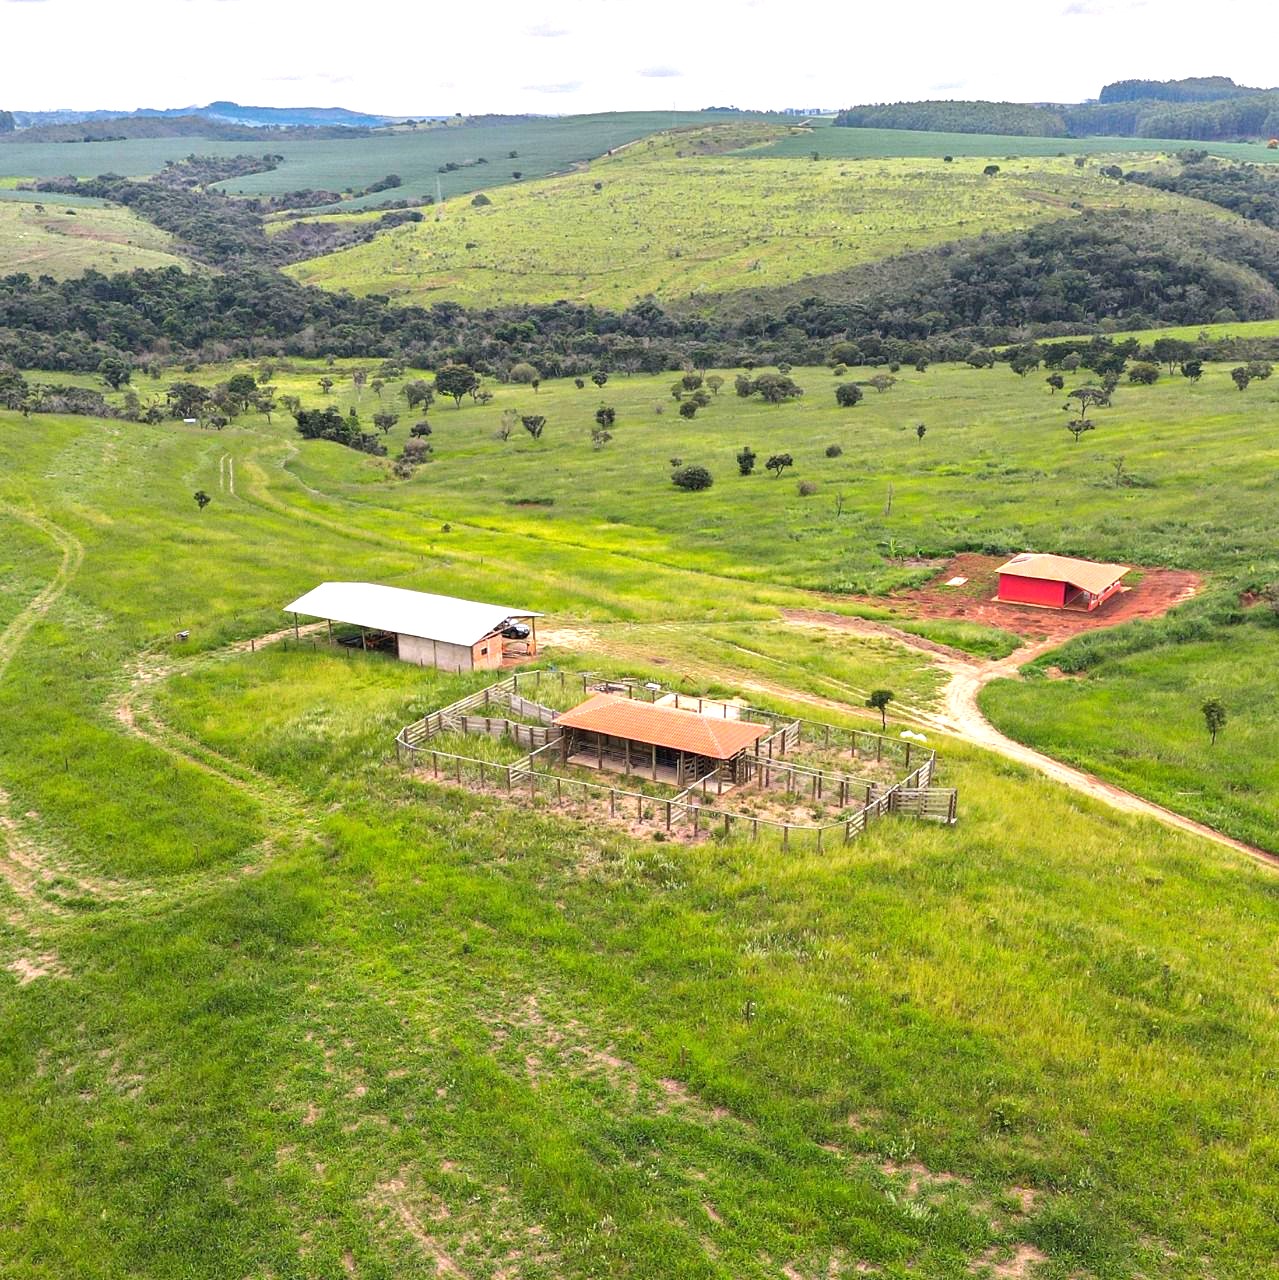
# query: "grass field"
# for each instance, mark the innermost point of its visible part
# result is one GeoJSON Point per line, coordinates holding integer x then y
{"type": "Point", "coordinates": [840, 143]}
{"type": "Point", "coordinates": [1136, 719]}
{"type": "Point", "coordinates": [696, 225]}
{"type": "Point", "coordinates": [287, 1011]}
{"type": "Point", "coordinates": [544, 145]}
{"type": "Point", "coordinates": [63, 242]}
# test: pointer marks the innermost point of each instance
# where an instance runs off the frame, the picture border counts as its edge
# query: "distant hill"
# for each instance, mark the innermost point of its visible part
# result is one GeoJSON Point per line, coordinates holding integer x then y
{"type": "Point", "coordinates": [1207, 109]}
{"type": "Point", "coordinates": [1192, 89]}
{"type": "Point", "coordinates": [227, 112]}
{"type": "Point", "coordinates": [125, 128]}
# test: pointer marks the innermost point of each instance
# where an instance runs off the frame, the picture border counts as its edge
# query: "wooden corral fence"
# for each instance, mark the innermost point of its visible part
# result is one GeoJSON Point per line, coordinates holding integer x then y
{"type": "Point", "coordinates": [531, 778]}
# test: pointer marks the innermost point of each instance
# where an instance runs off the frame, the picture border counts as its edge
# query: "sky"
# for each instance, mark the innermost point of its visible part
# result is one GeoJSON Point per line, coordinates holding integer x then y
{"type": "Point", "coordinates": [414, 57]}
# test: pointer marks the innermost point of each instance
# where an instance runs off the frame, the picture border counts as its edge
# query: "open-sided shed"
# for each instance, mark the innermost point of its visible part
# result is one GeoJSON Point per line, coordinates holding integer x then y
{"type": "Point", "coordinates": [1059, 582]}
{"type": "Point", "coordinates": [662, 742]}
{"type": "Point", "coordinates": [429, 630]}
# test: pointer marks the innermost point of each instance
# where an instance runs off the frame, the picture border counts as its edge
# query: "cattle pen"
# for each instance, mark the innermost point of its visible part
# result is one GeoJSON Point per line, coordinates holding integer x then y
{"type": "Point", "coordinates": [766, 790]}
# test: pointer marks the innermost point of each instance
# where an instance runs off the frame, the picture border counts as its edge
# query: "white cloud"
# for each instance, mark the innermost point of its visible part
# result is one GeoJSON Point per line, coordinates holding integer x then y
{"type": "Point", "coordinates": [660, 73]}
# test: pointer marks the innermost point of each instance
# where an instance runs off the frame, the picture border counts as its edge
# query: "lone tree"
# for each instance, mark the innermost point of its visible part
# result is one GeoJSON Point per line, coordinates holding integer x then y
{"type": "Point", "coordinates": [457, 380]}
{"type": "Point", "coordinates": [115, 371]}
{"type": "Point", "coordinates": [1077, 427]}
{"type": "Point", "coordinates": [202, 499]}
{"type": "Point", "coordinates": [778, 462]}
{"type": "Point", "coordinates": [605, 416]}
{"type": "Point", "coordinates": [1214, 711]}
{"type": "Point", "coordinates": [920, 432]}
{"type": "Point", "coordinates": [878, 701]}
{"type": "Point", "coordinates": [599, 377]}
{"type": "Point", "coordinates": [534, 424]}
{"type": "Point", "coordinates": [1088, 396]}
{"type": "Point", "coordinates": [746, 460]}
{"type": "Point", "coordinates": [242, 388]}
{"type": "Point", "coordinates": [692, 478]}
{"type": "Point", "coordinates": [1192, 369]}
{"type": "Point", "coordinates": [385, 421]}
{"type": "Point", "coordinates": [848, 394]}
{"type": "Point", "coordinates": [1055, 381]}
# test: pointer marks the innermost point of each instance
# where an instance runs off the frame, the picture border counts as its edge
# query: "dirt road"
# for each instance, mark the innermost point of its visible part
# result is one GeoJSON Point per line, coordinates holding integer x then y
{"type": "Point", "coordinates": [962, 717]}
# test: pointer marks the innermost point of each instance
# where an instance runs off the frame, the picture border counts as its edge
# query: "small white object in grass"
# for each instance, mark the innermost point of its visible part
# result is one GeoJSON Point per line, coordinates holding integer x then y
{"type": "Point", "coordinates": [916, 737]}
{"type": "Point", "coordinates": [956, 582]}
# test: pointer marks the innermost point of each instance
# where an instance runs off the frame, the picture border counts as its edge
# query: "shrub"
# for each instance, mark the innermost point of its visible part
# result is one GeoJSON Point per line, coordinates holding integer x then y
{"type": "Point", "coordinates": [807, 488]}
{"type": "Point", "coordinates": [746, 460]}
{"type": "Point", "coordinates": [480, 200]}
{"type": "Point", "coordinates": [833, 450]}
{"type": "Point", "coordinates": [847, 394]}
{"type": "Point", "coordinates": [687, 409]}
{"type": "Point", "coordinates": [692, 478]}
{"type": "Point", "coordinates": [1144, 374]}
{"type": "Point", "coordinates": [525, 373]}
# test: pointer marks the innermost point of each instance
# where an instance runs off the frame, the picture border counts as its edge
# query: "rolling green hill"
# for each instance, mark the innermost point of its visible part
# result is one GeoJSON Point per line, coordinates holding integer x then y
{"type": "Point", "coordinates": [687, 226]}
{"type": "Point", "coordinates": [420, 156]}
{"type": "Point", "coordinates": [65, 240]}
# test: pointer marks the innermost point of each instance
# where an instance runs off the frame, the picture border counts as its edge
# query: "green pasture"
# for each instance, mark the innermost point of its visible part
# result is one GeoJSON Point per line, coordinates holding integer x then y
{"type": "Point", "coordinates": [839, 143]}
{"type": "Point", "coordinates": [64, 241]}
{"type": "Point", "coordinates": [649, 221]}
{"type": "Point", "coordinates": [1137, 719]}
{"type": "Point", "coordinates": [545, 146]}
{"type": "Point", "coordinates": [299, 1014]}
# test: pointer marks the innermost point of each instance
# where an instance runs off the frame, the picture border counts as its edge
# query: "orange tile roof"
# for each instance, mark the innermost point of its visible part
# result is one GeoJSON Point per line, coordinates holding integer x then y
{"type": "Point", "coordinates": [1088, 575]}
{"type": "Point", "coordinates": [620, 717]}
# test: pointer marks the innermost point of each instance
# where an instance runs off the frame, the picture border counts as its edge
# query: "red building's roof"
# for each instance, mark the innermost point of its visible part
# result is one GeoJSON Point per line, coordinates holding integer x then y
{"type": "Point", "coordinates": [1088, 575]}
{"type": "Point", "coordinates": [620, 717]}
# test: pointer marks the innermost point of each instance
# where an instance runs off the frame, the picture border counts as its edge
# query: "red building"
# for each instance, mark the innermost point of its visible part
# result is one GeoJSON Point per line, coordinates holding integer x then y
{"type": "Point", "coordinates": [1059, 582]}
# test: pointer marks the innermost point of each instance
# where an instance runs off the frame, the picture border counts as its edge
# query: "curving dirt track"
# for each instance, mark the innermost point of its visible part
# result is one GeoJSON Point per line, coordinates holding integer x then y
{"type": "Point", "coordinates": [962, 717]}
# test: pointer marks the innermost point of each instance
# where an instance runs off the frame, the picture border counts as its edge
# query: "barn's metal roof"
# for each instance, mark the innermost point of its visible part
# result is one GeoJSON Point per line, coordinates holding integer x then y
{"type": "Point", "coordinates": [1088, 575]}
{"type": "Point", "coordinates": [410, 613]}
{"type": "Point", "coordinates": [620, 717]}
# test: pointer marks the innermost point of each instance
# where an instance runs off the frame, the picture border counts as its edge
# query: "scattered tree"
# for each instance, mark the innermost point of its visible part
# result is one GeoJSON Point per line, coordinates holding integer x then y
{"type": "Point", "coordinates": [534, 424]}
{"type": "Point", "coordinates": [848, 394]}
{"type": "Point", "coordinates": [1055, 381]}
{"type": "Point", "coordinates": [834, 450]}
{"type": "Point", "coordinates": [417, 393]}
{"type": "Point", "coordinates": [420, 430]}
{"type": "Point", "coordinates": [599, 377]}
{"type": "Point", "coordinates": [456, 380]}
{"type": "Point", "coordinates": [1143, 374]}
{"type": "Point", "coordinates": [326, 384]}
{"type": "Point", "coordinates": [688, 409]}
{"type": "Point", "coordinates": [1214, 713]}
{"type": "Point", "coordinates": [714, 381]}
{"type": "Point", "coordinates": [385, 421]}
{"type": "Point", "coordinates": [746, 460]}
{"type": "Point", "coordinates": [202, 499]}
{"type": "Point", "coordinates": [1077, 427]}
{"type": "Point", "coordinates": [1192, 369]}
{"type": "Point", "coordinates": [920, 432]}
{"type": "Point", "coordinates": [509, 419]}
{"type": "Point", "coordinates": [115, 371]}
{"type": "Point", "coordinates": [1242, 377]}
{"type": "Point", "coordinates": [242, 388]}
{"type": "Point", "coordinates": [990, 170]}
{"type": "Point", "coordinates": [692, 478]}
{"type": "Point", "coordinates": [878, 701]}
{"type": "Point", "coordinates": [605, 416]}
{"type": "Point", "coordinates": [525, 373]}
{"type": "Point", "coordinates": [778, 462]}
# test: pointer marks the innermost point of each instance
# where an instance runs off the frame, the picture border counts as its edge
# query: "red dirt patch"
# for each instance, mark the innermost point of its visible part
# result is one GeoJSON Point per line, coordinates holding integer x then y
{"type": "Point", "coordinates": [1153, 594]}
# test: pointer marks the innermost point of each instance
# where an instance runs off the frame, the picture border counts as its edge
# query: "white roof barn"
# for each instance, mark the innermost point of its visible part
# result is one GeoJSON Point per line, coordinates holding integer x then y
{"type": "Point", "coordinates": [431, 630]}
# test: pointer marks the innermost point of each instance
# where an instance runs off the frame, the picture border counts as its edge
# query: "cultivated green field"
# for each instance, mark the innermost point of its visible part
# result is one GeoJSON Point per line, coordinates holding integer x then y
{"type": "Point", "coordinates": [274, 1008]}
{"type": "Point", "coordinates": [676, 226]}
{"type": "Point", "coordinates": [544, 145]}
{"type": "Point", "coordinates": [62, 242]}
{"type": "Point", "coordinates": [832, 142]}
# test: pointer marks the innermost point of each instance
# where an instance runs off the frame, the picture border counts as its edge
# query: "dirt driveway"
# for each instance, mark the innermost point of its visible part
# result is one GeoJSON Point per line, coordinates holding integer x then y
{"type": "Point", "coordinates": [1152, 593]}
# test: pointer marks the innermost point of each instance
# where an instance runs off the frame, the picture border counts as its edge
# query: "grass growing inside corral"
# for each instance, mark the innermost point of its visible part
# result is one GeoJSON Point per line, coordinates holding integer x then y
{"type": "Point", "coordinates": [652, 222]}
{"type": "Point", "coordinates": [64, 240]}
